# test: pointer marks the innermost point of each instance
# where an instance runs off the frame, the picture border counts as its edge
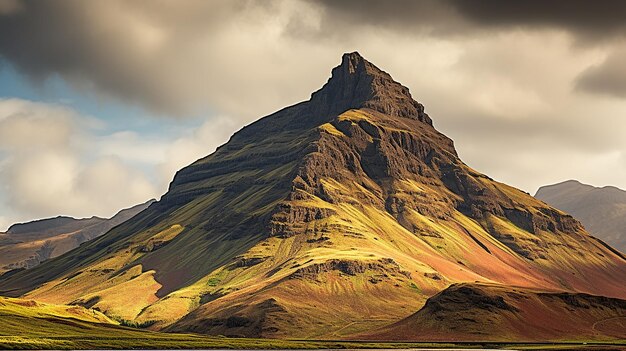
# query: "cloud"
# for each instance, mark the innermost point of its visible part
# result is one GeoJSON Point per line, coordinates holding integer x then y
{"type": "Point", "coordinates": [587, 20]}
{"type": "Point", "coordinates": [607, 78]}
{"type": "Point", "coordinates": [197, 144]}
{"type": "Point", "coordinates": [53, 163]}
{"type": "Point", "coordinates": [338, 19]}
{"type": "Point", "coordinates": [172, 58]}
{"type": "Point", "coordinates": [25, 125]}
{"type": "Point", "coordinates": [164, 155]}
{"type": "Point", "coordinates": [111, 47]}
{"type": "Point", "coordinates": [8, 7]}
{"type": "Point", "coordinates": [219, 57]}
{"type": "Point", "coordinates": [5, 223]}
{"type": "Point", "coordinates": [46, 172]}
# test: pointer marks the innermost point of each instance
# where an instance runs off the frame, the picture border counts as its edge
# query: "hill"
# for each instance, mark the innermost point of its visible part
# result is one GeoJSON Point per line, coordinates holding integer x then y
{"type": "Point", "coordinates": [502, 314]}
{"type": "Point", "coordinates": [25, 245]}
{"type": "Point", "coordinates": [601, 210]}
{"type": "Point", "coordinates": [327, 219]}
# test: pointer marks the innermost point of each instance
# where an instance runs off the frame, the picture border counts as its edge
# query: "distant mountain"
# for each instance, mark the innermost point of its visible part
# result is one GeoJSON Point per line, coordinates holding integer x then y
{"type": "Point", "coordinates": [601, 210]}
{"type": "Point", "coordinates": [328, 219]}
{"type": "Point", "coordinates": [25, 245]}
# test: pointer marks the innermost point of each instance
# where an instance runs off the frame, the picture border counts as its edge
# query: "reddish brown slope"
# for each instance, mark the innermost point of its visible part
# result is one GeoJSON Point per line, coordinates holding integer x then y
{"type": "Point", "coordinates": [476, 312]}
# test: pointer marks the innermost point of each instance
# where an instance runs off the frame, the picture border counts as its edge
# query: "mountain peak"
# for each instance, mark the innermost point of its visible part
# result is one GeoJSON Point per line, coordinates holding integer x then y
{"type": "Point", "coordinates": [355, 63]}
{"type": "Point", "coordinates": [358, 83]}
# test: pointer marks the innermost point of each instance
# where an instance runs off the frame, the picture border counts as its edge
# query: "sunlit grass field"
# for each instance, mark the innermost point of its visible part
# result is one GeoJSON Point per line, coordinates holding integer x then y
{"type": "Point", "coordinates": [26, 324]}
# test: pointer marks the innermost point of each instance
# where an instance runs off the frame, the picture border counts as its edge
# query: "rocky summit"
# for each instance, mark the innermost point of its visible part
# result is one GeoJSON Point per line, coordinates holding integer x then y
{"type": "Point", "coordinates": [339, 217]}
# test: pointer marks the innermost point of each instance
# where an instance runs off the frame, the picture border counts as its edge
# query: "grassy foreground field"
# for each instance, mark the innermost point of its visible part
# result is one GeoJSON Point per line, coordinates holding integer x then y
{"type": "Point", "coordinates": [27, 324]}
{"type": "Point", "coordinates": [160, 341]}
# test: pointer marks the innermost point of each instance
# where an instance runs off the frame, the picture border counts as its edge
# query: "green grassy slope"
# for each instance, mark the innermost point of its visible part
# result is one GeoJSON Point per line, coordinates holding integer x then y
{"type": "Point", "coordinates": [27, 324]}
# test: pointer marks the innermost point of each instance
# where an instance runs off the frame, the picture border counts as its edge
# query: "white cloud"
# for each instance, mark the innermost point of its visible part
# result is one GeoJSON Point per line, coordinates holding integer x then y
{"type": "Point", "coordinates": [132, 147]}
{"type": "Point", "coordinates": [46, 171]}
{"type": "Point", "coordinates": [27, 125]}
{"type": "Point", "coordinates": [196, 144]}
{"type": "Point", "coordinates": [51, 163]}
{"type": "Point", "coordinates": [5, 223]}
{"type": "Point", "coordinates": [110, 182]}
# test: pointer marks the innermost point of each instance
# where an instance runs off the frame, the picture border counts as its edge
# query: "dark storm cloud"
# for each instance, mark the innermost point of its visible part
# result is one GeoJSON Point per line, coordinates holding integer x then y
{"type": "Point", "coordinates": [46, 37]}
{"type": "Point", "coordinates": [595, 20]}
{"type": "Point", "coordinates": [591, 23]}
{"type": "Point", "coordinates": [129, 50]}
{"type": "Point", "coordinates": [173, 58]}
{"type": "Point", "coordinates": [405, 17]}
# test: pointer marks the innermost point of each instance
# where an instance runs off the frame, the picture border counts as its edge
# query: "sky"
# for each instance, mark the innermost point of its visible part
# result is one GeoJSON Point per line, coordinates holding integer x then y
{"type": "Point", "coordinates": [102, 101]}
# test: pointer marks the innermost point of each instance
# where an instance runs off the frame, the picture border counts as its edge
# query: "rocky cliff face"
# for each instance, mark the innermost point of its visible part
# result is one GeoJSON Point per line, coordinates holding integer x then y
{"type": "Point", "coordinates": [325, 219]}
{"type": "Point", "coordinates": [356, 84]}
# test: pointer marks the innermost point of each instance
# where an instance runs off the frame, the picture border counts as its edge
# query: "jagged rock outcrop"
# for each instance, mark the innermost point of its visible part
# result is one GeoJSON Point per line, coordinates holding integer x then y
{"type": "Point", "coordinates": [350, 267]}
{"type": "Point", "coordinates": [356, 84]}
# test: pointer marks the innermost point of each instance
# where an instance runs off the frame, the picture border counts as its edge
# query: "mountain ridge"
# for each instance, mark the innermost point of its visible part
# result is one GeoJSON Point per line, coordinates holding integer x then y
{"type": "Point", "coordinates": [48, 223]}
{"type": "Point", "coordinates": [25, 245]}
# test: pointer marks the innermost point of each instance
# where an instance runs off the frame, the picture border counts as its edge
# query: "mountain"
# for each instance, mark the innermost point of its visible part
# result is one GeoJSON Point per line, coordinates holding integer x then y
{"type": "Point", "coordinates": [601, 210]}
{"type": "Point", "coordinates": [330, 218]}
{"type": "Point", "coordinates": [25, 245]}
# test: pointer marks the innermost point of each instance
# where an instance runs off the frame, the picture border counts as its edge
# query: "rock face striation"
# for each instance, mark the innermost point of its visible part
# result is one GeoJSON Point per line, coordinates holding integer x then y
{"type": "Point", "coordinates": [329, 218]}
{"type": "Point", "coordinates": [601, 210]}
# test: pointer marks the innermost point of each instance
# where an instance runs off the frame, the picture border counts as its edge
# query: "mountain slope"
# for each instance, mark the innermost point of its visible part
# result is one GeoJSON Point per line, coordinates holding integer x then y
{"type": "Point", "coordinates": [601, 210]}
{"type": "Point", "coordinates": [26, 245]}
{"type": "Point", "coordinates": [325, 219]}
